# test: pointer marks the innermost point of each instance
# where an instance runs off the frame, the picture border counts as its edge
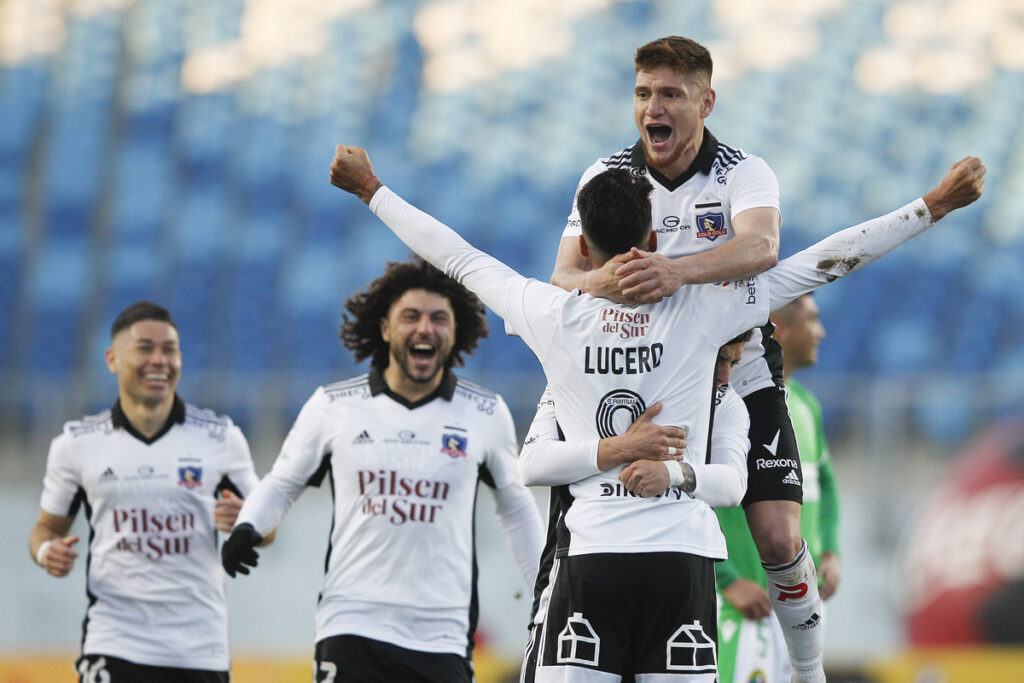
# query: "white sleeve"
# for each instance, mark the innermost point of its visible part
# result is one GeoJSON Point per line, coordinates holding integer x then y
{"type": "Point", "coordinates": [62, 479]}
{"type": "Point", "coordinates": [239, 470]}
{"type": "Point", "coordinates": [515, 506]}
{"type": "Point", "coordinates": [573, 226]}
{"type": "Point", "coordinates": [513, 297]}
{"type": "Point", "coordinates": [843, 252]}
{"type": "Point", "coordinates": [723, 482]}
{"type": "Point", "coordinates": [301, 457]}
{"type": "Point", "coordinates": [546, 460]}
{"type": "Point", "coordinates": [752, 185]}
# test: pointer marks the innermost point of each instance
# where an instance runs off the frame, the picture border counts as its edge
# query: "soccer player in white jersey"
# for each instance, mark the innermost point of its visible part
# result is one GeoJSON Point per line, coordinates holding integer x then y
{"type": "Point", "coordinates": [605, 363]}
{"type": "Point", "coordinates": [149, 472]}
{"type": "Point", "coordinates": [716, 211]}
{"type": "Point", "coordinates": [405, 447]}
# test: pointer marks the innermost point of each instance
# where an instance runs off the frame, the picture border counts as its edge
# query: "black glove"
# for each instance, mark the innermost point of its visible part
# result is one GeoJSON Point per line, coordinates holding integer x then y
{"type": "Point", "coordinates": [240, 550]}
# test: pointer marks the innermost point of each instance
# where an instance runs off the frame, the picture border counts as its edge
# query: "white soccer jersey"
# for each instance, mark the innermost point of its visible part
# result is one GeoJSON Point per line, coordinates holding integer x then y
{"type": "Point", "coordinates": [694, 213]}
{"type": "Point", "coordinates": [401, 563]}
{"type": "Point", "coordinates": [606, 362]}
{"type": "Point", "coordinates": [153, 574]}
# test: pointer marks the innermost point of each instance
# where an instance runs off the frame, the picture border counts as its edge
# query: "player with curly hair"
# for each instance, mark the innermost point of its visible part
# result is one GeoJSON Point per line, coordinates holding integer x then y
{"type": "Point", "coordinates": [405, 446]}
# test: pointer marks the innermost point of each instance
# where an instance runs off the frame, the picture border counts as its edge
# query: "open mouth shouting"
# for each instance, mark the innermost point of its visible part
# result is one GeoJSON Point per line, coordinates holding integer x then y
{"type": "Point", "coordinates": [658, 134]}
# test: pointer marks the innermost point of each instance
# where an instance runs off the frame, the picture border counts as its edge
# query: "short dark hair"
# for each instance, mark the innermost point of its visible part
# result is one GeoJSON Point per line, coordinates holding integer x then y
{"type": "Point", "coordinates": [615, 210]}
{"type": "Point", "coordinates": [360, 331]}
{"type": "Point", "coordinates": [675, 52]}
{"type": "Point", "coordinates": [741, 337]}
{"type": "Point", "coordinates": [142, 310]}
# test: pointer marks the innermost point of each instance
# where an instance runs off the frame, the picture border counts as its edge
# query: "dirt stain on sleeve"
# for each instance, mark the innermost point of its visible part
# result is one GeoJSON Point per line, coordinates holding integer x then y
{"type": "Point", "coordinates": [835, 268]}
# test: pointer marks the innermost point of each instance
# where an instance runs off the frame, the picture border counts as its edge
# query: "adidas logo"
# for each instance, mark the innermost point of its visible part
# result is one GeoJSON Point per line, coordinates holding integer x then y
{"type": "Point", "coordinates": [809, 624]}
{"type": "Point", "coordinates": [364, 437]}
{"type": "Point", "coordinates": [108, 474]}
{"type": "Point", "coordinates": [791, 478]}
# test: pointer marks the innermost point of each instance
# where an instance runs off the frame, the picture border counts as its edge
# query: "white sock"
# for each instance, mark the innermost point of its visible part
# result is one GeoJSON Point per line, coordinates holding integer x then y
{"type": "Point", "coordinates": [793, 590]}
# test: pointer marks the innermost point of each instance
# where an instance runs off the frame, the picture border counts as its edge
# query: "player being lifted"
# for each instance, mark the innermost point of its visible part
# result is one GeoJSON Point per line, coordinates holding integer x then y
{"type": "Point", "coordinates": [601, 381]}
{"type": "Point", "coordinates": [716, 211]}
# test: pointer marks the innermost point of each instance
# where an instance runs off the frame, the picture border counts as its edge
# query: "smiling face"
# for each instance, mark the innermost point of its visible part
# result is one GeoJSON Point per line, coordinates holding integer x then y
{"type": "Point", "coordinates": [669, 107]}
{"type": "Point", "coordinates": [146, 358]}
{"type": "Point", "coordinates": [420, 332]}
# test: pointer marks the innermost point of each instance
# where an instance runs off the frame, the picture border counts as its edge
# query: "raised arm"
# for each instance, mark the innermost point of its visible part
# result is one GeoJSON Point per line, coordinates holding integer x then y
{"type": "Point", "coordinates": [499, 287]}
{"type": "Point", "coordinates": [848, 250]}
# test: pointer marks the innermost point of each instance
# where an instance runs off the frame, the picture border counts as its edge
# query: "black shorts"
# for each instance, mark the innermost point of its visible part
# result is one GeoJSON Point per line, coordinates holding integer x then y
{"type": "Point", "coordinates": [354, 659]}
{"type": "Point", "coordinates": [107, 669]}
{"type": "Point", "coordinates": [627, 613]}
{"type": "Point", "coordinates": [773, 463]}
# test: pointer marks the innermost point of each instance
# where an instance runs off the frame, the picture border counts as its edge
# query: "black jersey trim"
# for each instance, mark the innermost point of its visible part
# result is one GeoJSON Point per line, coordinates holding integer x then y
{"type": "Point", "coordinates": [772, 353]}
{"type": "Point", "coordinates": [474, 601]}
{"type": "Point", "coordinates": [484, 475]}
{"type": "Point", "coordinates": [120, 420]}
{"type": "Point", "coordinates": [445, 390]}
{"type": "Point", "coordinates": [702, 163]}
{"type": "Point", "coordinates": [225, 483]}
{"type": "Point", "coordinates": [326, 467]}
{"type": "Point", "coordinates": [711, 421]}
{"type": "Point", "coordinates": [317, 477]}
{"type": "Point", "coordinates": [88, 561]}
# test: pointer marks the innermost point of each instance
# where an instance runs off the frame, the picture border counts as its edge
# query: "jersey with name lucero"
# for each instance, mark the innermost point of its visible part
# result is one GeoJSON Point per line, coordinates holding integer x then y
{"type": "Point", "coordinates": [404, 476]}
{"type": "Point", "coordinates": [694, 213]}
{"type": "Point", "coordinates": [605, 364]}
{"type": "Point", "coordinates": [153, 574]}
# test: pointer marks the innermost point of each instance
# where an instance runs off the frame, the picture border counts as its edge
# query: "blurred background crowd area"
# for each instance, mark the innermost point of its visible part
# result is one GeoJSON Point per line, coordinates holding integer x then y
{"type": "Point", "coordinates": [178, 151]}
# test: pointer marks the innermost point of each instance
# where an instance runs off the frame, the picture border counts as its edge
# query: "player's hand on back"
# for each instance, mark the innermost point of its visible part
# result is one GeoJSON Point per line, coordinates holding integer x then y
{"type": "Point", "coordinates": [647, 277]}
{"type": "Point", "coordinates": [604, 283]}
{"type": "Point", "coordinates": [961, 186]}
{"type": "Point", "coordinates": [644, 440]}
{"type": "Point", "coordinates": [646, 478]}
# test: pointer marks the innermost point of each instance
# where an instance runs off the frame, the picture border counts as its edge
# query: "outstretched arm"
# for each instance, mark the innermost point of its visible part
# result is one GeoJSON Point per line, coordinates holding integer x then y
{"type": "Point", "coordinates": [849, 250]}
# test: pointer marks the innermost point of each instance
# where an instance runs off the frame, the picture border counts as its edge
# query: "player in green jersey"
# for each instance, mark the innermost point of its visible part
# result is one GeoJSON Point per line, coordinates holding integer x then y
{"type": "Point", "coordinates": [750, 640]}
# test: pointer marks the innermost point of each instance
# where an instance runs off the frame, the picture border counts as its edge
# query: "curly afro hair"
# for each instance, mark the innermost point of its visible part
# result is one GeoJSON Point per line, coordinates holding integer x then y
{"type": "Point", "coordinates": [360, 331]}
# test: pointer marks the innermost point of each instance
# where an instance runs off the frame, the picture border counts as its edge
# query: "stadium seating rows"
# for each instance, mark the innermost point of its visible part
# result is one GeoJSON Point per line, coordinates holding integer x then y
{"type": "Point", "coordinates": [119, 184]}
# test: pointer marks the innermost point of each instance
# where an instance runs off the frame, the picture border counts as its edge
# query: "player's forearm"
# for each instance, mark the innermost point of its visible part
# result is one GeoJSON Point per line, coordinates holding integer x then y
{"type": "Point", "coordinates": [443, 248]}
{"type": "Point", "coordinates": [550, 462]}
{"type": "Point", "coordinates": [844, 252]}
{"type": "Point", "coordinates": [267, 504]}
{"type": "Point", "coordinates": [719, 485]}
{"type": "Point", "coordinates": [743, 256]}
{"type": "Point", "coordinates": [521, 524]}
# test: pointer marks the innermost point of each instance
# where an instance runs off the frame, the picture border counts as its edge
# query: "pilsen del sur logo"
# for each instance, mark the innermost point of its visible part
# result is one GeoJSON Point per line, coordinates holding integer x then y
{"type": "Point", "coordinates": [623, 322]}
